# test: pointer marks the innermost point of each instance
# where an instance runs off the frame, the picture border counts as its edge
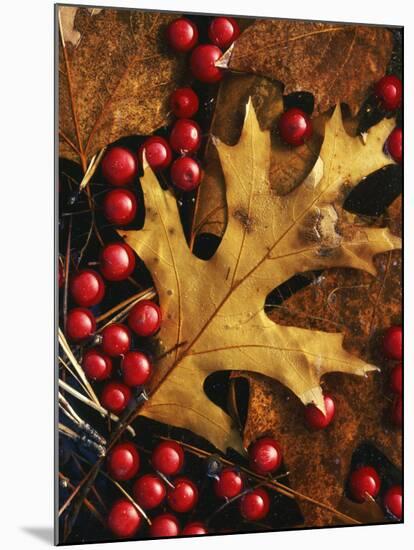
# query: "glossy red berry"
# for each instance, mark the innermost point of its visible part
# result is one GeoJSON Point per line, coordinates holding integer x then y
{"type": "Point", "coordinates": [315, 419]}
{"type": "Point", "coordinates": [223, 31]}
{"type": "Point", "coordinates": [97, 365]}
{"type": "Point", "coordinates": [168, 458]}
{"type": "Point", "coordinates": [265, 455]}
{"type": "Point", "coordinates": [255, 506]}
{"type": "Point", "coordinates": [185, 136]}
{"type": "Point", "coordinates": [202, 63]}
{"type": "Point", "coordinates": [397, 411]}
{"type": "Point", "coordinates": [392, 343]}
{"type": "Point", "coordinates": [295, 127]}
{"type": "Point", "coordinates": [364, 482]}
{"type": "Point", "coordinates": [394, 144]}
{"type": "Point", "coordinates": [123, 461]}
{"type": "Point", "coordinates": [149, 491]}
{"type": "Point", "coordinates": [80, 324]}
{"type": "Point", "coordinates": [119, 166]}
{"type": "Point", "coordinates": [115, 397]}
{"type": "Point", "coordinates": [182, 35]}
{"type": "Point", "coordinates": [157, 153]}
{"type": "Point", "coordinates": [184, 496]}
{"type": "Point", "coordinates": [393, 501]}
{"type": "Point", "coordinates": [87, 288]}
{"type": "Point", "coordinates": [396, 379]}
{"type": "Point", "coordinates": [120, 206]}
{"type": "Point", "coordinates": [136, 368]}
{"type": "Point", "coordinates": [389, 92]}
{"type": "Point", "coordinates": [184, 103]}
{"type": "Point", "coordinates": [165, 525]}
{"type": "Point", "coordinates": [186, 174]}
{"type": "Point", "coordinates": [117, 261]}
{"type": "Point", "coordinates": [145, 318]}
{"type": "Point", "coordinates": [116, 339]}
{"type": "Point", "coordinates": [194, 528]}
{"type": "Point", "coordinates": [229, 484]}
{"type": "Point", "coordinates": [124, 519]}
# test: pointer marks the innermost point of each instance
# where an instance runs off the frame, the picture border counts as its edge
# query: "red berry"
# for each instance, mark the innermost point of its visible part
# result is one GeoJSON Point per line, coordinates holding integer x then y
{"type": "Point", "coordinates": [229, 484]}
{"type": "Point", "coordinates": [394, 144]}
{"type": "Point", "coordinates": [185, 174]}
{"type": "Point", "coordinates": [389, 92]}
{"type": "Point", "coordinates": [115, 397]}
{"type": "Point", "coordinates": [80, 324]}
{"type": "Point", "coordinates": [87, 288]}
{"type": "Point", "coordinates": [223, 31]}
{"type": "Point", "coordinates": [396, 379]}
{"type": "Point", "coordinates": [194, 528]}
{"type": "Point", "coordinates": [203, 61]}
{"type": "Point", "coordinates": [184, 103]}
{"type": "Point", "coordinates": [149, 491]}
{"type": "Point", "coordinates": [165, 525]}
{"type": "Point", "coordinates": [123, 461]}
{"type": "Point", "coordinates": [145, 318]}
{"type": "Point", "coordinates": [185, 136]}
{"type": "Point", "coordinates": [316, 419]}
{"type": "Point", "coordinates": [96, 365]}
{"type": "Point", "coordinates": [393, 501]}
{"type": "Point", "coordinates": [157, 153]}
{"type": "Point", "coordinates": [124, 519]}
{"type": "Point", "coordinates": [265, 455]}
{"type": "Point", "coordinates": [168, 458]}
{"type": "Point", "coordinates": [392, 343]}
{"type": "Point", "coordinates": [397, 411]}
{"type": "Point", "coordinates": [136, 368]}
{"type": "Point", "coordinates": [364, 482]}
{"type": "Point", "coordinates": [116, 339]}
{"type": "Point", "coordinates": [295, 127]}
{"type": "Point", "coordinates": [120, 206]}
{"type": "Point", "coordinates": [255, 505]}
{"type": "Point", "coordinates": [117, 261]}
{"type": "Point", "coordinates": [119, 166]}
{"type": "Point", "coordinates": [182, 35]}
{"type": "Point", "coordinates": [184, 496]}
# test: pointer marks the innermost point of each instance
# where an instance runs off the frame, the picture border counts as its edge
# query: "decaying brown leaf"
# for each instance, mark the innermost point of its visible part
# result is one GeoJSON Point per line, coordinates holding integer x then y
{"type": "Point", "coordinates": [115, 77]}
{"type": "Point", "coordinates": [335, 62]}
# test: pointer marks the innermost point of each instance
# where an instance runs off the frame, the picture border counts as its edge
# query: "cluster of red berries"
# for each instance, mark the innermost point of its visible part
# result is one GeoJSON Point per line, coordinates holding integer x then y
{"type": "Point", "coordinates": [392, 347]}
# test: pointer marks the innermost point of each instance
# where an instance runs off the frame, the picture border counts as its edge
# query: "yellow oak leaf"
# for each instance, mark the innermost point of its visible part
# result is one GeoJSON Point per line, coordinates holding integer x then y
{"type": "Point", "coordinates": [213, 311]}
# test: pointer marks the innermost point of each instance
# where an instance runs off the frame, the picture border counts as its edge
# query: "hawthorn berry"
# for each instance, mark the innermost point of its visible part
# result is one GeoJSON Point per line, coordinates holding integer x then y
{"type": "Point", "coordinates": [389, 92]}
{"type": "Point", "coordinates": [115, 397]}
{"type": "Point", "coordinates": [157, 153]}
{"type": "Point", "coordinates": [223, 31]}
{"type": "Point", "coordinates": [184, 496]}
{"type": "Point", "coordinates": [184, 103]}
{"type": "Point", "coordinates": [397, 411]}
{"type": "Point", "coordinates": [168, 458]}
{"type": "Point", "coordinates": [393, 501]}
{"type": "Point", "coordinates": [394, 144]}
{"type": "Point", "coordinates": [87, 288]}
{"type": "Point", "coordinates": [265, 455]}
{"type": "Point", "coordinates": [97, 365]}
{"type": "Point", "coordinates": [295, 127]}
{"type": "Point", "coordinates": [186, 173]}
{"type": "Point", "coordinates": [117, 261]}
{"type": "Point", "coordinates": [165, 525]}
{"type": "Point", "coordinates": [116, 339]}
{"type": "Point", "coordinates": [145, 318]}
{"type": "Point", "coordinates": [123, 461]}
{"type": "Point", "coordinates": [80, 324]}
{"type": "Point", "coordinates": [185, 136]}
{"type": "Point", "coordinates": [229, 483]}
{"type": "Point", "coordinates": [194, 528]}
{"type": "Point", "coordinates": [392, 343]}
{"type": "Point", "coordinates": [202, 63]}
{"type": "Point", "coordinates": [120, 206]}
{"type": "Point", "coordinates": [182, 35]}
{"type": "Point", "coordinates": [149, 491]}
{"type": "Point", "coordinates": [396, 379]}
{"type": "Point", "coordinates": [124, 519]}
{"type": "Point", "coordinates": [316, 419]}
{"type": "Point", "coordinates": [255, 505]}
{"type": "Point", "coordinates": [119, 166]}
{"type": "Point", "coordinates": [364, 482]}
{"type": "Point", "coordinates": [136, 368]}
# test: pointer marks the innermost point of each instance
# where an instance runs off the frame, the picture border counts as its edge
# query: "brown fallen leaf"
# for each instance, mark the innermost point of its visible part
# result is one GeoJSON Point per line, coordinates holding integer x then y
{"type": "Point", "coordinates": [335, 62]}
{"type": "Point", "coordinates": [115, 77]}
{"type": "Point", "coordinates": [213, 311]}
